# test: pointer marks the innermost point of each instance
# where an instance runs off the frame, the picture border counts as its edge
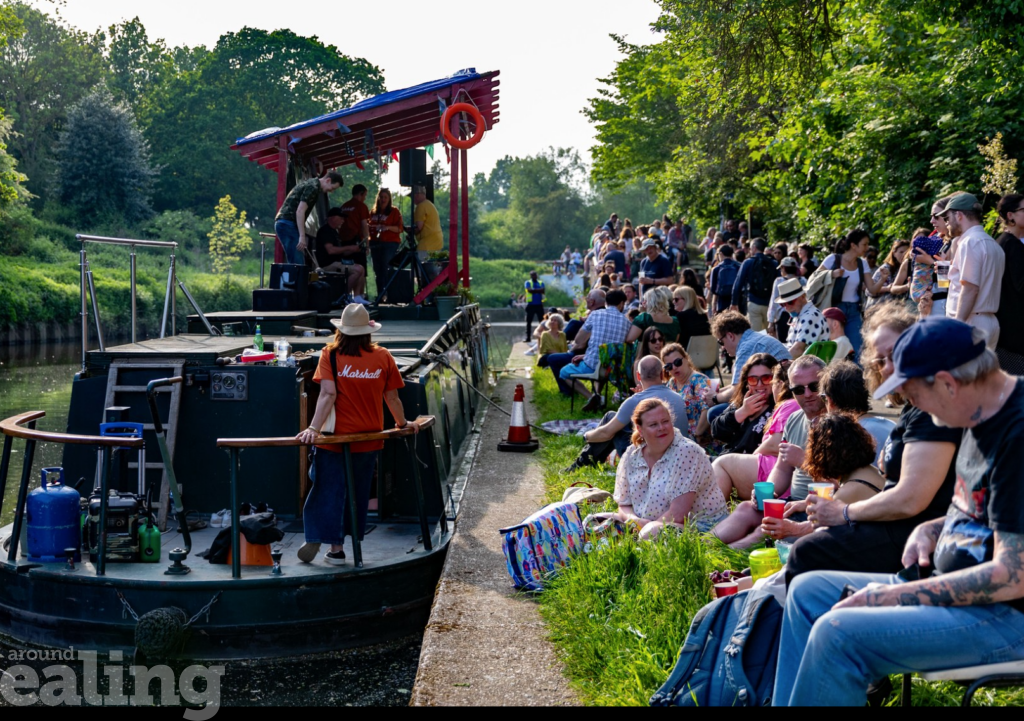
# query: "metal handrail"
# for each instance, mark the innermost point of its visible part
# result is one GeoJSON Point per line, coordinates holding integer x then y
{"type": "Point", "coordinates": [12, 428]}
{"type": "Point", "coordinates": [234, 447]}
{"type": "Point", "coordinates": [125, 241]}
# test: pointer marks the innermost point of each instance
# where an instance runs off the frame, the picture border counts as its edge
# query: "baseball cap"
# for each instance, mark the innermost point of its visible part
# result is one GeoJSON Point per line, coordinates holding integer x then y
{"type": "Point", "coordinates": [929, 346]}
{"type": "Point", "coordinates": [961, 201]}
{"type": "Point", "coordinates": [790, 262]}
{"type": "Point", "coordinates": [649, 243]}
{"type": "Point", "coordinates": [835, 314]}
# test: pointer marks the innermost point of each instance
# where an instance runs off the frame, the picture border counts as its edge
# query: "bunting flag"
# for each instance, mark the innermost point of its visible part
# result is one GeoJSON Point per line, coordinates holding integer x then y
{"type": "Point", "coordinates": [430, 152]}
{"type": "Point", "coordinates": [394, 155]}
{"type": "Point", "coordinates": [348, 149]}
{"type": "Point", "coordinates": [360, 165]}
{"type": "Point", "coordinates": [442, 105]}
{"type": "Point", "coordinates": [342, 127]}
{"type": "Point", "coordinates": [292, 140]}
{"type": "Point", "coordinates": [368, 142]}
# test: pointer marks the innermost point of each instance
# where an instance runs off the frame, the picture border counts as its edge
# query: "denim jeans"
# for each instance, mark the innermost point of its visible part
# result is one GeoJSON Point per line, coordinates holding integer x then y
{"type": "Point", "coordinates": [325, 517]}
{"type": "Point", "coordinates": [717, 410]}
{"type": "Point", "coordinates": [556, 362]}
{"type": "Point", "coordinates": [828, 658]}
{"type": "Point", "coordinates": [288, 233]}
{"type": "Point", "coordinates": [854, 321]}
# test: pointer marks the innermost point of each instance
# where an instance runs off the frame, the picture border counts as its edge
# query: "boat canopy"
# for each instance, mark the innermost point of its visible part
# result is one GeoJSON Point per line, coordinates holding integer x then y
{"type": "Point", "coordinates": [375, 127]}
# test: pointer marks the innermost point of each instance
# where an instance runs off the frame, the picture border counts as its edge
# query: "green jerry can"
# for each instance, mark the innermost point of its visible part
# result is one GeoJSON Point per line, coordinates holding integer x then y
{"type": "Point", "coordinates": [149, 541]}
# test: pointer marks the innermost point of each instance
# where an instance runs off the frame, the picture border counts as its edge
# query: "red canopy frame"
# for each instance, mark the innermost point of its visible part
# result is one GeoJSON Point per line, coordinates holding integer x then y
{"type": "Point", "coordinates": [398, 120]}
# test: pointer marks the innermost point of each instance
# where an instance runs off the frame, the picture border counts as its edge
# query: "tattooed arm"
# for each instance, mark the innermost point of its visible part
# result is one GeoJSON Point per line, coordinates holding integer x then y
{"type": "Point", "coordinates": [998, 580]}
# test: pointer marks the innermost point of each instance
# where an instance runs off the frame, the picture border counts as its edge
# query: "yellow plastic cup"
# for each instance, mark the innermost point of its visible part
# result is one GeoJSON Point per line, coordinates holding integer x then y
{"type": "Point", "coordinates": [824, 491]}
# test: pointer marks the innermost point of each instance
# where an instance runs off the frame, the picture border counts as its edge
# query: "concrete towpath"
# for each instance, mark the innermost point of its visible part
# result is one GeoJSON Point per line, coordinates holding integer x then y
{"type": "Point", "coordinates": [485, 645]}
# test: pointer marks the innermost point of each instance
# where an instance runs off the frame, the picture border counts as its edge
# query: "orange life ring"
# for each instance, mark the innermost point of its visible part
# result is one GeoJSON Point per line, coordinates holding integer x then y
{"type": "Point", "coordinates": [477, 117]}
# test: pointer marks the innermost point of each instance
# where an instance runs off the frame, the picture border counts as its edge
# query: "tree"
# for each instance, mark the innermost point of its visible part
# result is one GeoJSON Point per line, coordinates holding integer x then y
{"type": "Point", "coordinates": [229, 237]}
{"type": "Point", "coordinates": [12, 183]}
{"type": "Point", "coordinates": [44, 70]}
{"type": "Point", "coordinates": [103, 168]}
{"type": "Point", "coordinates": [136, 64]}
{"type": "Point", "coordinates": [251, 80]}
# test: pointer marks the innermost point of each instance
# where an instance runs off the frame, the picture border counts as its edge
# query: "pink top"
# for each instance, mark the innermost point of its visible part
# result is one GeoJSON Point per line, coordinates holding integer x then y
{"type": "Point", "coordinates": [776, 424]}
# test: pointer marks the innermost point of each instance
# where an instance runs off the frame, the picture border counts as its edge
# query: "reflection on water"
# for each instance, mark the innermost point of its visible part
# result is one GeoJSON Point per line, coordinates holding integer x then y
{"type": "Point", "coordinates": [35, 378]}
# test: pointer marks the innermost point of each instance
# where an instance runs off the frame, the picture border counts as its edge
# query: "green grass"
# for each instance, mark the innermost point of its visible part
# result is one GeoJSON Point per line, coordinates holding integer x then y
{"type": "Point", "coordinates": [618, 617]}
{"type": "Point", "coordinates": [492, 281]}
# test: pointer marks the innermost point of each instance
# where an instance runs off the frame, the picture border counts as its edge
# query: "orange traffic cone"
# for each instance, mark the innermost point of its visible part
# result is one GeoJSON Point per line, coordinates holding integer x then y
{"type": "Point", "coordinates": [519, 440]}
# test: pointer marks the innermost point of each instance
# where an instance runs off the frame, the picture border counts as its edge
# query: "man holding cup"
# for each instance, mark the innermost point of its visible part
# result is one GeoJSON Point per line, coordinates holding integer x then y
{"type": "Point", "coordinates": [656, 268]}
{"type": "Point", "coordinates": [970, 610]}
{"type": "Point", "coordinates": [976, 272]}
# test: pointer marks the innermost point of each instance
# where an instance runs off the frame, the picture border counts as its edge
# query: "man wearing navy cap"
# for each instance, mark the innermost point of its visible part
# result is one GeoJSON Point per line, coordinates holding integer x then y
{"type": "Point", "coordinates": [967, 609]}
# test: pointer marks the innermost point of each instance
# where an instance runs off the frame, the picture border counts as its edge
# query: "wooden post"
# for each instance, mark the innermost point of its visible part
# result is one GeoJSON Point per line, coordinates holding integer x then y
{"type": "Point", "coordinates": [282, 189]}
{"type": "Point", "coordinates": [465, 219]}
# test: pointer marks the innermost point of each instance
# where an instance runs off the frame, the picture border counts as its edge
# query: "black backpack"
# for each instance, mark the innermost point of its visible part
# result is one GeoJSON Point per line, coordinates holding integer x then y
{"type": "Point", "coordinates": [729, 656]}
{"type": "Point", "coordinates": [762, 276]}
{"type": "Point", "coordinates": [725, 277]}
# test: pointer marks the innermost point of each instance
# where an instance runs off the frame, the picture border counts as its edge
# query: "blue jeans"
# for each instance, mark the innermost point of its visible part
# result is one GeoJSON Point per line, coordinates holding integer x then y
{"type": "Point", "coordinates": [828, 658]}
{"type": "Point", "coordinates": [325, 517]}
{"type": "Point", "coordinates": [717, 410]}
{"type": "Point", "coordinates": [854, 321]}
{"type": "Point", "coordinates": [564, 381]}
{"type": "Point", "coordinates": [288, 233]}
{"type": "Point", "coordinates": [556, 362]}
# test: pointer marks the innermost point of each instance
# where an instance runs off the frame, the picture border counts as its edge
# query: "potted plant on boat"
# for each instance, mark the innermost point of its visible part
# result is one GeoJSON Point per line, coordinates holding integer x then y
{"type": "Point", "coordinates": [448, 299]}
{"type": "Point", "coordinates": [436, 262]}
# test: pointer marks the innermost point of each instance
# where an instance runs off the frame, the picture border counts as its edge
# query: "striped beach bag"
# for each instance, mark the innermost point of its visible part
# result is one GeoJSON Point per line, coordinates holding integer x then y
{"type": "Point", "coordinates": [542, 544]}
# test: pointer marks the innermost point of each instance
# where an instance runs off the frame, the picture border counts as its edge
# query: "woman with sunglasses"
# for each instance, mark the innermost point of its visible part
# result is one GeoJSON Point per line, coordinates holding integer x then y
{"type": "Point", "coordinates": [741, 426]}
{"type": "Point", "coordinates": [740, 471]}
{"type": "Point", "coordinates": [694, 387]}
{"type": "Point", "coordinates": [651, 343]}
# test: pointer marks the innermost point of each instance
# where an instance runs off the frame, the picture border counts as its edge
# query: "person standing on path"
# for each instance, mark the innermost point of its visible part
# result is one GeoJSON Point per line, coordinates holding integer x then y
{"type": "Point", "coordinates": [534, 303]}
{"type": "Point", "coordinates": [290, 224]}
{"type": "Point", "coordinates": [757, 276]}
{"type": "Point", "coordinates": [976, 273]}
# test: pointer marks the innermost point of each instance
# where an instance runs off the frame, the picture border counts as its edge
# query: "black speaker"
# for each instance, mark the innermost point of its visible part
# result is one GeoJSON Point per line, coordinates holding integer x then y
{"type": "Point", "coordinates": [429, 187]}
{"type": "Point", "coordinates": [412, 167]}
{"type": "Point", "coordinates": [285, 276]}
{"type": "Point", "coordinates": [401, 288]}
{"type": "Point", "coordinates": [270, 300]}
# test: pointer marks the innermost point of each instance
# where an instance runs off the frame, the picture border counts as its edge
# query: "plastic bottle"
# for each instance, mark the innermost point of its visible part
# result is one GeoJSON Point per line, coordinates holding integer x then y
{"type": "Point", "coordinates": [149, 541]}
{"type": "Point", "coordinates": [257, 342]}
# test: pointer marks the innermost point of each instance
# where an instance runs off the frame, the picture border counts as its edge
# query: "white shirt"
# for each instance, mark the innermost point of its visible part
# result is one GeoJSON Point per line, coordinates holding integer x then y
{"type": "Point", "coordinates": [979, 261]}
{"type": "Point", "coordinates": [851, 292]}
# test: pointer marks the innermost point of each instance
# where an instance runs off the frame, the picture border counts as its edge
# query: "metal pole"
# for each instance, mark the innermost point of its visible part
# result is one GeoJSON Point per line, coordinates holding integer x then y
{"type": "Point", "coordinates": [167, 299]}
{"type": "Point", "coordinates": [84, 309]}
{"type": "Point", "coordinates": [174, 297]}
{"type": "Point", "coordinates": [236, 545]}
{"type": "Point", "coordinates": [19, 510]}
{"type": "Point", "coordinates": [134, 310]}
{"type": "Point", "coordinates": [95, 310]}
{"type": "Point", "coordinates": [353, 513]}
{"type": "Point", "coordinates": [190, 299]}
{"type": "Point", "coordinates": [421, 505]}
{"type": "Point", "coordinates": [263, 261]}
{"type": "Point", "coordinates": [5, 465]}
{"type": "Point", "coordinates": [101, 562]}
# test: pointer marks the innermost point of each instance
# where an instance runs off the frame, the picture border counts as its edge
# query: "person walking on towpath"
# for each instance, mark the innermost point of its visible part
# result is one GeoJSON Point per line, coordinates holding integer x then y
{"type": "Point", "coordinates": [534, 303]}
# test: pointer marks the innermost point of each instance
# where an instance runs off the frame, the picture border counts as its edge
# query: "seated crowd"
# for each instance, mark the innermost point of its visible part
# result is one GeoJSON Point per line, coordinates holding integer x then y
{"type": "Point", "coordinates": [809, 342]}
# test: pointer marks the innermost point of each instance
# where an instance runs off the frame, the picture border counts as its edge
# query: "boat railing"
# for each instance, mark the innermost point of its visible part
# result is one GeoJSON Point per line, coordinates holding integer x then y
{"type": "Point", "coordinates": [88, 286]}
{"type": "Point", "coordinates": [24, 426]}
{"type": "Point", "coordinates": [235, 446]}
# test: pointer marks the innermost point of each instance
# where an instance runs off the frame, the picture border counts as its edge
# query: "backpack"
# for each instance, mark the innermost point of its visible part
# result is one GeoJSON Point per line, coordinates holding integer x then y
{"type": "Point", "coordinates": [762, 276]}
{"type": "Point", "coordinates": [725, 278]}
{"type": "Point", "coordinates": [729, 656]}
{"type": "Point", "coordinates": [542, 544]}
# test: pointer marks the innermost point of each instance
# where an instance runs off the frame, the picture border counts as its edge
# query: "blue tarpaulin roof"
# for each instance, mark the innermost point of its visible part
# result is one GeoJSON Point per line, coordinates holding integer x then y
{"type": "Point", "coordinates": [389, 122]}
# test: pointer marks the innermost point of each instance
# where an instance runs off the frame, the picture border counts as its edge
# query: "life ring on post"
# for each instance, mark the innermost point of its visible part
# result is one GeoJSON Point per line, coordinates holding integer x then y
{"type": "Point", "coordinates": [474, 114]}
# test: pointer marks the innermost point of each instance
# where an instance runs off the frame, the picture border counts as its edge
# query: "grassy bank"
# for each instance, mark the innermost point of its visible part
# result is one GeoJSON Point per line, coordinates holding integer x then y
{"type": "Point", "coordinates": [618, 617]}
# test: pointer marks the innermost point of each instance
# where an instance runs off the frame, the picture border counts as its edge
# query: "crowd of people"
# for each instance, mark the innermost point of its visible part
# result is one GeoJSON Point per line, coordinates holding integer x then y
{"type": "Point", "coordinates": [922, 523]}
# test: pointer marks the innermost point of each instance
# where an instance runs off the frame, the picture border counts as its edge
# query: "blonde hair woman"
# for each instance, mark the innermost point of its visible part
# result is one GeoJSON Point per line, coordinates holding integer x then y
{"type": "Point", "coordinates": [657, 302]}
{"type": "Point", "coordinates": [693, 319]}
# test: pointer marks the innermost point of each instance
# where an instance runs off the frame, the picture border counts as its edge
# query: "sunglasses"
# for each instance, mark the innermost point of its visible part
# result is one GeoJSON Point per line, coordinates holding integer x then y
{"type": "Point", "coordinates": [674, 364]}
{"type": "Point", "coordinates": [655, 339]}
{"type": "Point", "coordinates": [721, 343]}
{"type": "Point", "coordinates": [799, 390]}
{"type": "Point", "coordinates": [765, 380]}
{"type": "Point", "coordinates": [881, 361]}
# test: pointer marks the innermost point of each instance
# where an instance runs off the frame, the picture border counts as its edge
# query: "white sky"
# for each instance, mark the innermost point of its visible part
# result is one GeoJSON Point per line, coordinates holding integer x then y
{"type": "Point", "coordinates": [550, 52]}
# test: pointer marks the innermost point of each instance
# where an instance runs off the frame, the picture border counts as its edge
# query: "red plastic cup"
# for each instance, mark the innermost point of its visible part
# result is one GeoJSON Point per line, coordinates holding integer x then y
{"type": "Point", "coordinates": [726, 589]}
{"type": "Point", "coordinates": [774, 507]}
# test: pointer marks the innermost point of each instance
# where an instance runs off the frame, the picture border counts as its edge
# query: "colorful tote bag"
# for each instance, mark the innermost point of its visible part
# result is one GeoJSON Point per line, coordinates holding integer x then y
{"type": "Point", "coordinates": [542, 544]}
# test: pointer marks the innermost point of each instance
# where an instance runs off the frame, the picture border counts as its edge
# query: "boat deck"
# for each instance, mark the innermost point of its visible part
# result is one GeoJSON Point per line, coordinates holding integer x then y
{"type": "Point", "coordinates": [385, 545]}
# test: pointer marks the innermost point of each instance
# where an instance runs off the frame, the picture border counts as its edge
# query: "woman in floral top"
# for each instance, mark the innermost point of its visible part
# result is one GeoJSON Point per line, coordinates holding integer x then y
{"type": "Point", "coordinates": [664, 478]}
{"type": "Point", "coordinates": [694, 387]}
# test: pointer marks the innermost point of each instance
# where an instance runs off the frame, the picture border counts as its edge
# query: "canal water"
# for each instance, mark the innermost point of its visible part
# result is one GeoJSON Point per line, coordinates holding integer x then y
{"type": "Point", "coordinates": [34, 378]}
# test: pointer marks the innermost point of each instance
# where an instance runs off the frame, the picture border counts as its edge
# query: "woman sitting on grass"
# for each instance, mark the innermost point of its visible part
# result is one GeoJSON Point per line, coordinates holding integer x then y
{"type": "Point", "coordinates": [741, 470]}
{"type": "Point", "coordinates": [839, 451]}
{"type": "Point", "coordinates": [657, 304]}
{"type": "Point", "coordinates": [663, 478]}
{"type": "Point", "coordinates": [694, 387]}
{"type": "Point", "coordinates": [742, 425]}
{"type": "Point", "coordinates": [652, 342]}
{"type": "Point", "coordinates": [552, 340]}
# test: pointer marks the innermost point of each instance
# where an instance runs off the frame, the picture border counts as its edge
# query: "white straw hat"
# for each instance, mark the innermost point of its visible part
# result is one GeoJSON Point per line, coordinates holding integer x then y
{"type": "Point", "coordinates": [355, 320]}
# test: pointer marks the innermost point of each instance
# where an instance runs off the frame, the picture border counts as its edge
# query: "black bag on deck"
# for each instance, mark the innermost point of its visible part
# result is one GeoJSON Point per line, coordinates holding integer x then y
{"type": "Point", "coordinates": [320, 297]}
{"type": "Point", "coordinates": [729, 656]}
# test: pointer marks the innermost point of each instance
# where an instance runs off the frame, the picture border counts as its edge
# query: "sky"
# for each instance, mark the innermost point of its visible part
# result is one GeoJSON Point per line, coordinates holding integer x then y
{"type": "Point", "coordinates": [551, 53]}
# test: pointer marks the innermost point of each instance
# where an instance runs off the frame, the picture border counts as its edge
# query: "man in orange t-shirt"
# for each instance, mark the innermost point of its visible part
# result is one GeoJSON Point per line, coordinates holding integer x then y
{"type": "Point", "coordinates": [363, 378]}
{"type": "Point", "coordinates": [355, 231]}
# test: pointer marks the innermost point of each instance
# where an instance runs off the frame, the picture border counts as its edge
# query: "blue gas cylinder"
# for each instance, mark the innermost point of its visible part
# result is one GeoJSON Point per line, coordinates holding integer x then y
{"type": "Point", "coordinates": [53, 519]}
